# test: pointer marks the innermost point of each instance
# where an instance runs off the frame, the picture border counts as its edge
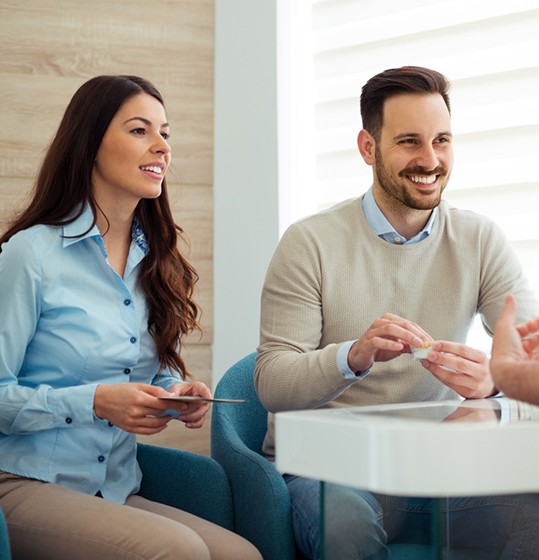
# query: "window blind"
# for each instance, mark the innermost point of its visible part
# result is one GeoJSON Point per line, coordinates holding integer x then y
{"type": "Point", "coordinates": [488, 50]}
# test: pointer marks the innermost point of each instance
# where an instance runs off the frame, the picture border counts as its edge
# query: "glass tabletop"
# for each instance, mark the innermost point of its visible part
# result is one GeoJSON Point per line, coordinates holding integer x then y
{"type": "Point", "coordinates": [481, 447]}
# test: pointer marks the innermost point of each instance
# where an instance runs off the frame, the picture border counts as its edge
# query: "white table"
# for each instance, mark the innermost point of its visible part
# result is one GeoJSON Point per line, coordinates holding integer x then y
{"type": "Point", "coordinates": [414, 449]}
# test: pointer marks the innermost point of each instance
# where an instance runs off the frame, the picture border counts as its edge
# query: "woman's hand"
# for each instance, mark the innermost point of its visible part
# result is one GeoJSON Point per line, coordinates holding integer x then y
{"type": "Point", "coordinates": [136, 407]}
{"type": "Point", "coordinates": [133, 407]}
{"type": "Point", "coordinates": [192, 413]}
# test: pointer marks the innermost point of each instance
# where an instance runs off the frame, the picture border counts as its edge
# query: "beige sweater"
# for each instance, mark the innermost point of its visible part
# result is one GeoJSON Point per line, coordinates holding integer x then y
{"type": "Point", "coordinates": [331, 277]}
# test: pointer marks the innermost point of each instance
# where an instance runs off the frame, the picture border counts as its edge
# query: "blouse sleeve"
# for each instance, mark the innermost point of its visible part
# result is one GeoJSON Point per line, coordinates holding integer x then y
{"type": "Point", "coordinates": [26, 409]}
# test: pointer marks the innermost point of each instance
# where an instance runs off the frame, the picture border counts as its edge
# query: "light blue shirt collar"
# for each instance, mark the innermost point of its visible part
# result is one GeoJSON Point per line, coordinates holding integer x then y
{"type": "Point", "coordinates": [381, 226]}
{"type": "Point", "coordinates": [73, 232]}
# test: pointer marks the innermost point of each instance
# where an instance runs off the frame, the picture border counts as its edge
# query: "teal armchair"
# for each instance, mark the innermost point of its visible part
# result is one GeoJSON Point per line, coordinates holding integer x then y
{"type": "Point", "coordinates": [259, 494]}
{"type": "Point", "coordinates": [194, 483]}
{"type": "Point", "coordinates": [188, 481]}
{"type": "Point", "coordinates": [5, 553]}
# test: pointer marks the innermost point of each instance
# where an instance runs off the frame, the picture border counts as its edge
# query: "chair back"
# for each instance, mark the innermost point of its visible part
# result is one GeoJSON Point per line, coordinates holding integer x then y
{"type": "Point", "coordinates": [259, 494]}
{"type": "Point", "coordinates": [249, 419]}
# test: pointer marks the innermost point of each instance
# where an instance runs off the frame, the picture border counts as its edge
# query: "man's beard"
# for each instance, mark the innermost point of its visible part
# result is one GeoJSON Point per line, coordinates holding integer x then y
{"type": "Point", "coordinates": [397, 192]}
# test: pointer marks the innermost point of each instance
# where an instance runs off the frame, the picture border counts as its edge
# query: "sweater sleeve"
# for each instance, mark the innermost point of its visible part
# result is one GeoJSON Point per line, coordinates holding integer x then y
{"type": "Point", "coordinates": [292, 371]}
{"type": "Point", "coordinates": [502, 273]}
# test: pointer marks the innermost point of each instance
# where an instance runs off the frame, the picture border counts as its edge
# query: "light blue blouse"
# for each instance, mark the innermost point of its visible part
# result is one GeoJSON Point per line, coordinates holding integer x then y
{"type": "Point", "coordinates": [69, 322]}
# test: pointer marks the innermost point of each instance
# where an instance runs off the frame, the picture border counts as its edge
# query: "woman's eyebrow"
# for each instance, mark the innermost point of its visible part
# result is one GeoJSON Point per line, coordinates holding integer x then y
{"type": "Point", "coordinates": [145, 121]}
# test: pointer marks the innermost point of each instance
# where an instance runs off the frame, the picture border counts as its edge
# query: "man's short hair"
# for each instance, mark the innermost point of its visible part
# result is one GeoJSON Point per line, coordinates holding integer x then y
{"type": "Point", "coordinates": [395, 81]}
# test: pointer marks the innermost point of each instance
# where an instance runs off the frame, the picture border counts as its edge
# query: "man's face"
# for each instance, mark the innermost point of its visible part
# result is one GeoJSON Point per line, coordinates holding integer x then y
{"type": "Point", "coordinates": [414, 154]}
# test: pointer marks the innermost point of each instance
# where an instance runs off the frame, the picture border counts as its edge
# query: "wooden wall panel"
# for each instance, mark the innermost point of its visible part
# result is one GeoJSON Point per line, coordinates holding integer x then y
{"type": "Point", "coordinates": [50, 47]}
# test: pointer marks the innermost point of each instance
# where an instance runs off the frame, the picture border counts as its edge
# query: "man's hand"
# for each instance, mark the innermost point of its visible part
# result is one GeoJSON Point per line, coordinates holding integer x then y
{"type": "Point", "coordinates": [387, 338]}
{"type": "Point", "coordinates": [464, 369]}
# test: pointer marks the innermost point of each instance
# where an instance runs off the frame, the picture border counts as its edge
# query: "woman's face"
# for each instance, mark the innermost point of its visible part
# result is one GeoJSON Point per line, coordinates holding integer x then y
{"type": "Point", "coordinates": [134, 154]}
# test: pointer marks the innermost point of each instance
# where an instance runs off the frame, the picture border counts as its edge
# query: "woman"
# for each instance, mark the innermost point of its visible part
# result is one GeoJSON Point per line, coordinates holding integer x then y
{"type": "Point", "coordinates": [95, 300]}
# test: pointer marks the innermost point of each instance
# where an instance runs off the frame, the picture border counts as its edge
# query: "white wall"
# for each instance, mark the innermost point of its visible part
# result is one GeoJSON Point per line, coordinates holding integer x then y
{"type": "Point", "coordinates": [245, 172]}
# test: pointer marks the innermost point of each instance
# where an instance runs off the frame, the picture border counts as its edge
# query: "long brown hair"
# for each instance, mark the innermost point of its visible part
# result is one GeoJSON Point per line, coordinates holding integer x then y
{"type": "Point", "coordinates": [63, 186]}
{"type": "Point", "coordinates": [395, 81]}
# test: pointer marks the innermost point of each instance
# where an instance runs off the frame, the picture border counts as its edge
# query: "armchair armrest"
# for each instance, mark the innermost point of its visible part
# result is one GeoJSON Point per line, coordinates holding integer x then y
{"type": "Point", "coordinates": [257, 488]}
{"type": "Point", "coordinates": [5, 552]}
{"type": "Point", "coordinates": [188, 481]}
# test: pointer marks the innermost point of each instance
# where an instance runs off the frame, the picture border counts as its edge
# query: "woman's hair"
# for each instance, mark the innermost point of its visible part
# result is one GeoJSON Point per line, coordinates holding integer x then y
{"type": "Point", "coordinates": [63, 186]}
{"type": "Point", "coordinates": [395, 81]}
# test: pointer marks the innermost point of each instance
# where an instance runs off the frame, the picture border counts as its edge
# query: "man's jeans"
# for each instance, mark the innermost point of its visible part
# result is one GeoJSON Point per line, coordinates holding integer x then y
{"type": "Point", "coordinates": [358, 525]}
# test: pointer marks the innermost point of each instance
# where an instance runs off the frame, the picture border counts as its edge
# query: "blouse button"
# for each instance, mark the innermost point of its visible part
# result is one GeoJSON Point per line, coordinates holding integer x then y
{"type": "Point", "coordinates": [132, 340]}
{"type": "Point", "coordinates": [68, 420]}
{"type": "Point", "coordinates": [127, 301]}
{"type": "Point", "coordinates": [127, 370]}
{"type": "Point", "coordinates": [101, 458]}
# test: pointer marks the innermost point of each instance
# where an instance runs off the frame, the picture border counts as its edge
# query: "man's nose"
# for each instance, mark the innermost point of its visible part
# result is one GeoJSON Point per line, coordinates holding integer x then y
{"type": "Point", "coordinates": [427, 157]}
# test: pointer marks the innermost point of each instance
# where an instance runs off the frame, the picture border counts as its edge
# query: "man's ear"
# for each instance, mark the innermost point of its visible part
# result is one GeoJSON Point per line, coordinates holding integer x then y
{"type": "Point", "coordinates": [366, 145]}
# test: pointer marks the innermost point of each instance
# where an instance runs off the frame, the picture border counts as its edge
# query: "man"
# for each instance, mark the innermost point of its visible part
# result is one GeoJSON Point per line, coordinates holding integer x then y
{"type": "Point", "coordinates": [350, 291]}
